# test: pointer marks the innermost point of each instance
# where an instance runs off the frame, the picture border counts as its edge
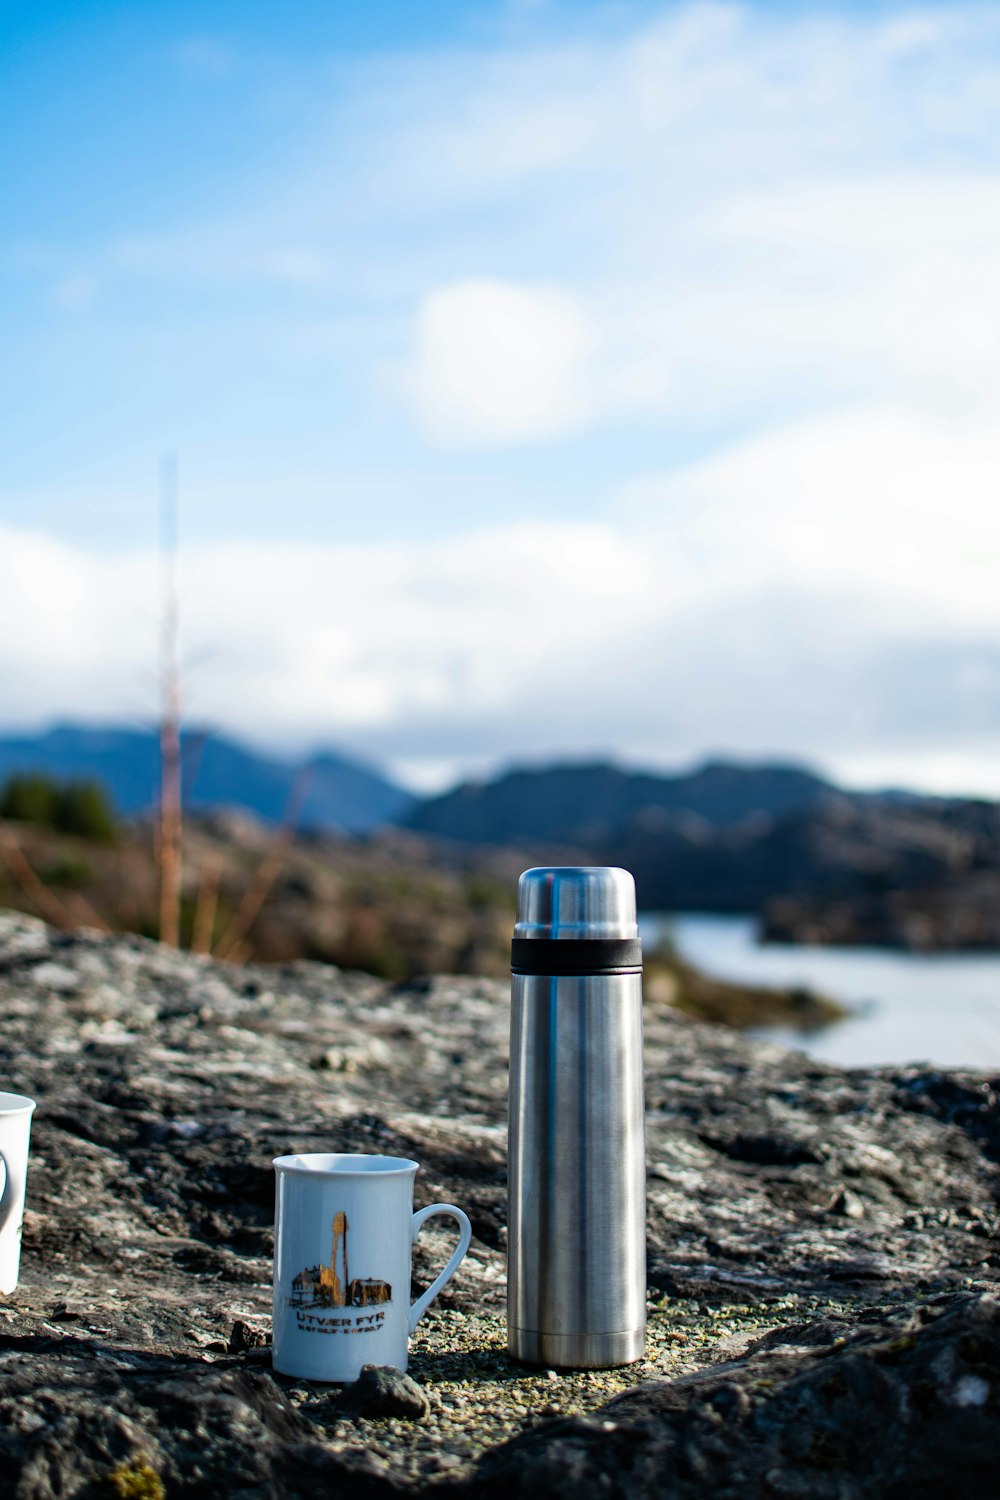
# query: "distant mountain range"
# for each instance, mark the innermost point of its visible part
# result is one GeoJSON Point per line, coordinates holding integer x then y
{"type": "Point", "coordinates": [723, 837]}
{"type": "Point", "coordinates": [816, 861]}
{"type": "Point", "coordinates": [333, 791]}
{"type": "Point", "coordinates": [585, 807]}
{"type": "Point", "coordinates": [591, 805]}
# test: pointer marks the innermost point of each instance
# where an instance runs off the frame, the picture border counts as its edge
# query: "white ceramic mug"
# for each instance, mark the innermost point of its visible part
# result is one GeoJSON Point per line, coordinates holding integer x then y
{"type": "Point", "coordinates": [15, 1127]}
{"type": "Point", "coordinates": [344, 1227]}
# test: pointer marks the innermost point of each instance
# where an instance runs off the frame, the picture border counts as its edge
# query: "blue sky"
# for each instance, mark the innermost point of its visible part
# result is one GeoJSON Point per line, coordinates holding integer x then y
{"type": "Point", "coordinates": [544, 379]}
{"type": "Point", "coordinates": [194, 261]}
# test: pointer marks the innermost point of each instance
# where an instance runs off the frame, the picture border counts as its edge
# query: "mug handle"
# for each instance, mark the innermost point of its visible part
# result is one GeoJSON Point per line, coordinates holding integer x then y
{"type": "Point", "coordinates": [464, 1239]}
{"type": "Point", "coordinates": [9, 1196]}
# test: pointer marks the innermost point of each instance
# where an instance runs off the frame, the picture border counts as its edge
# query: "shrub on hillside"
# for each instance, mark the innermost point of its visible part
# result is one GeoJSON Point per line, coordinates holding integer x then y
{"type": "Point", "coordinates": [29, 799]}
{"type": "Point", "coordinates": [84, 808]}
{"type": "Point", "coordinates": [78, 807]}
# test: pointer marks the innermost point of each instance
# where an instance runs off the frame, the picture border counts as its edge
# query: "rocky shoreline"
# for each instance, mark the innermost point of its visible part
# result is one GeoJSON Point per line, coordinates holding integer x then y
{"type": "Point", "coordinates": [395, 905]}
{"type": "Point", "coordinates": [963, 917]}
{"type": "Point", "coordinates": [824, 1249]}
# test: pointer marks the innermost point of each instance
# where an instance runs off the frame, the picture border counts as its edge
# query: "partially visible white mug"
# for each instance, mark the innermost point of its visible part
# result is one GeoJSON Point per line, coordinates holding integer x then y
{"type": "Point", "coordinates": [344, 1227]}
{"type": "Point", "coordinates": [15, 1127]}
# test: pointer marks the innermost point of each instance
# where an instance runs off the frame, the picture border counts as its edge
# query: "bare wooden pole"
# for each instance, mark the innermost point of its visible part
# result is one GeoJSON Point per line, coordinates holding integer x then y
{"type": "Point", "coordinates": [170, 826]}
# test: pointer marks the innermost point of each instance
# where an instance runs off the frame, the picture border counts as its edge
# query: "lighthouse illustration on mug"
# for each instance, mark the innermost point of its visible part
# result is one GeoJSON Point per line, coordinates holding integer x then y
{"type": "Point", "coordinates": [332, 1212]}
{"type": "Point", "coordinates": [322, 1286]}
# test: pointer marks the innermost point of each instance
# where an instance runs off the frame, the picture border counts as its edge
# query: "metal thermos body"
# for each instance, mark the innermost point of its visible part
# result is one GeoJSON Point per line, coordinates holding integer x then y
{"type": "Point", "coordinates": [576, 1252]}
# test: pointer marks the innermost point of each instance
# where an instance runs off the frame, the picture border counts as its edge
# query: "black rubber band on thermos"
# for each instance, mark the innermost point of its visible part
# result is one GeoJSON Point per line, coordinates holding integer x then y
{"type": "Point", "coordinates": [576, 957]}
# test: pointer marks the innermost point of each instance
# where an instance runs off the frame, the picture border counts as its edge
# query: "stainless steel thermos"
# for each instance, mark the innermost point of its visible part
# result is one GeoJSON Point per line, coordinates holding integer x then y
{"type": "Point", "coordinates": [576, 1254]}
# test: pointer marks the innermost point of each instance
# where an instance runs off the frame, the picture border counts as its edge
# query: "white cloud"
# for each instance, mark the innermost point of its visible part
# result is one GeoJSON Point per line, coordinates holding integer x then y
{"type": "Point", "coordinates": [311, 641]}
{"type": "Point", "coordinates": [497, 362]}
{"type": "Point", "coordinates": [882, 498]}
{"type": "Point", "coordinates": [827, 592]}
{"type": "Point", "coordinates": [744, 210]}
{"type": "Point", "coordinates": [240, 252]}
{"type": "Point", "coordinates": [204, 58]}
{"type": "Point", "coordinates": [75, 292]}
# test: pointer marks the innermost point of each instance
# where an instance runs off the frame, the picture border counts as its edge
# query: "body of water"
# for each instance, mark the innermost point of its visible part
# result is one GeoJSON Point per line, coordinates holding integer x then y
{"type": "Point", "coordinates": [905, 1007]}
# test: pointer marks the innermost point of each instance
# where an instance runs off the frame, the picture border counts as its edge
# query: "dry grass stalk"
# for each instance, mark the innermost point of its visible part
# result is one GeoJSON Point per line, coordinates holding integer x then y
{"type": "Point", "coordinates": [232, 946]}
{"type": "Point", "coordinates": [84, 914]}
{"type": "Point", "coordinates": [240, 954]}
{"type": "Point", "coordinates": [17, 862]}
{"type": "Point", "coordinates": [207, 906]}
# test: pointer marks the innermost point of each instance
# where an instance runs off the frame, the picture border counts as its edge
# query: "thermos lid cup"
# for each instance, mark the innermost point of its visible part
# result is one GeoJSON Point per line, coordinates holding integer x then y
{"type": "Point", "coordinates": [576, 901]}
{"type": "Point", "coordinates": [575, 920]}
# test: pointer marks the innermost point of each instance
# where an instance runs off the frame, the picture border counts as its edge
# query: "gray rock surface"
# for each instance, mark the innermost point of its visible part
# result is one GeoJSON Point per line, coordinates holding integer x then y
{"type": "Point", "coordinates": [904, 1404]}
{"type": "Point", "coordinates": [823, 1248]}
